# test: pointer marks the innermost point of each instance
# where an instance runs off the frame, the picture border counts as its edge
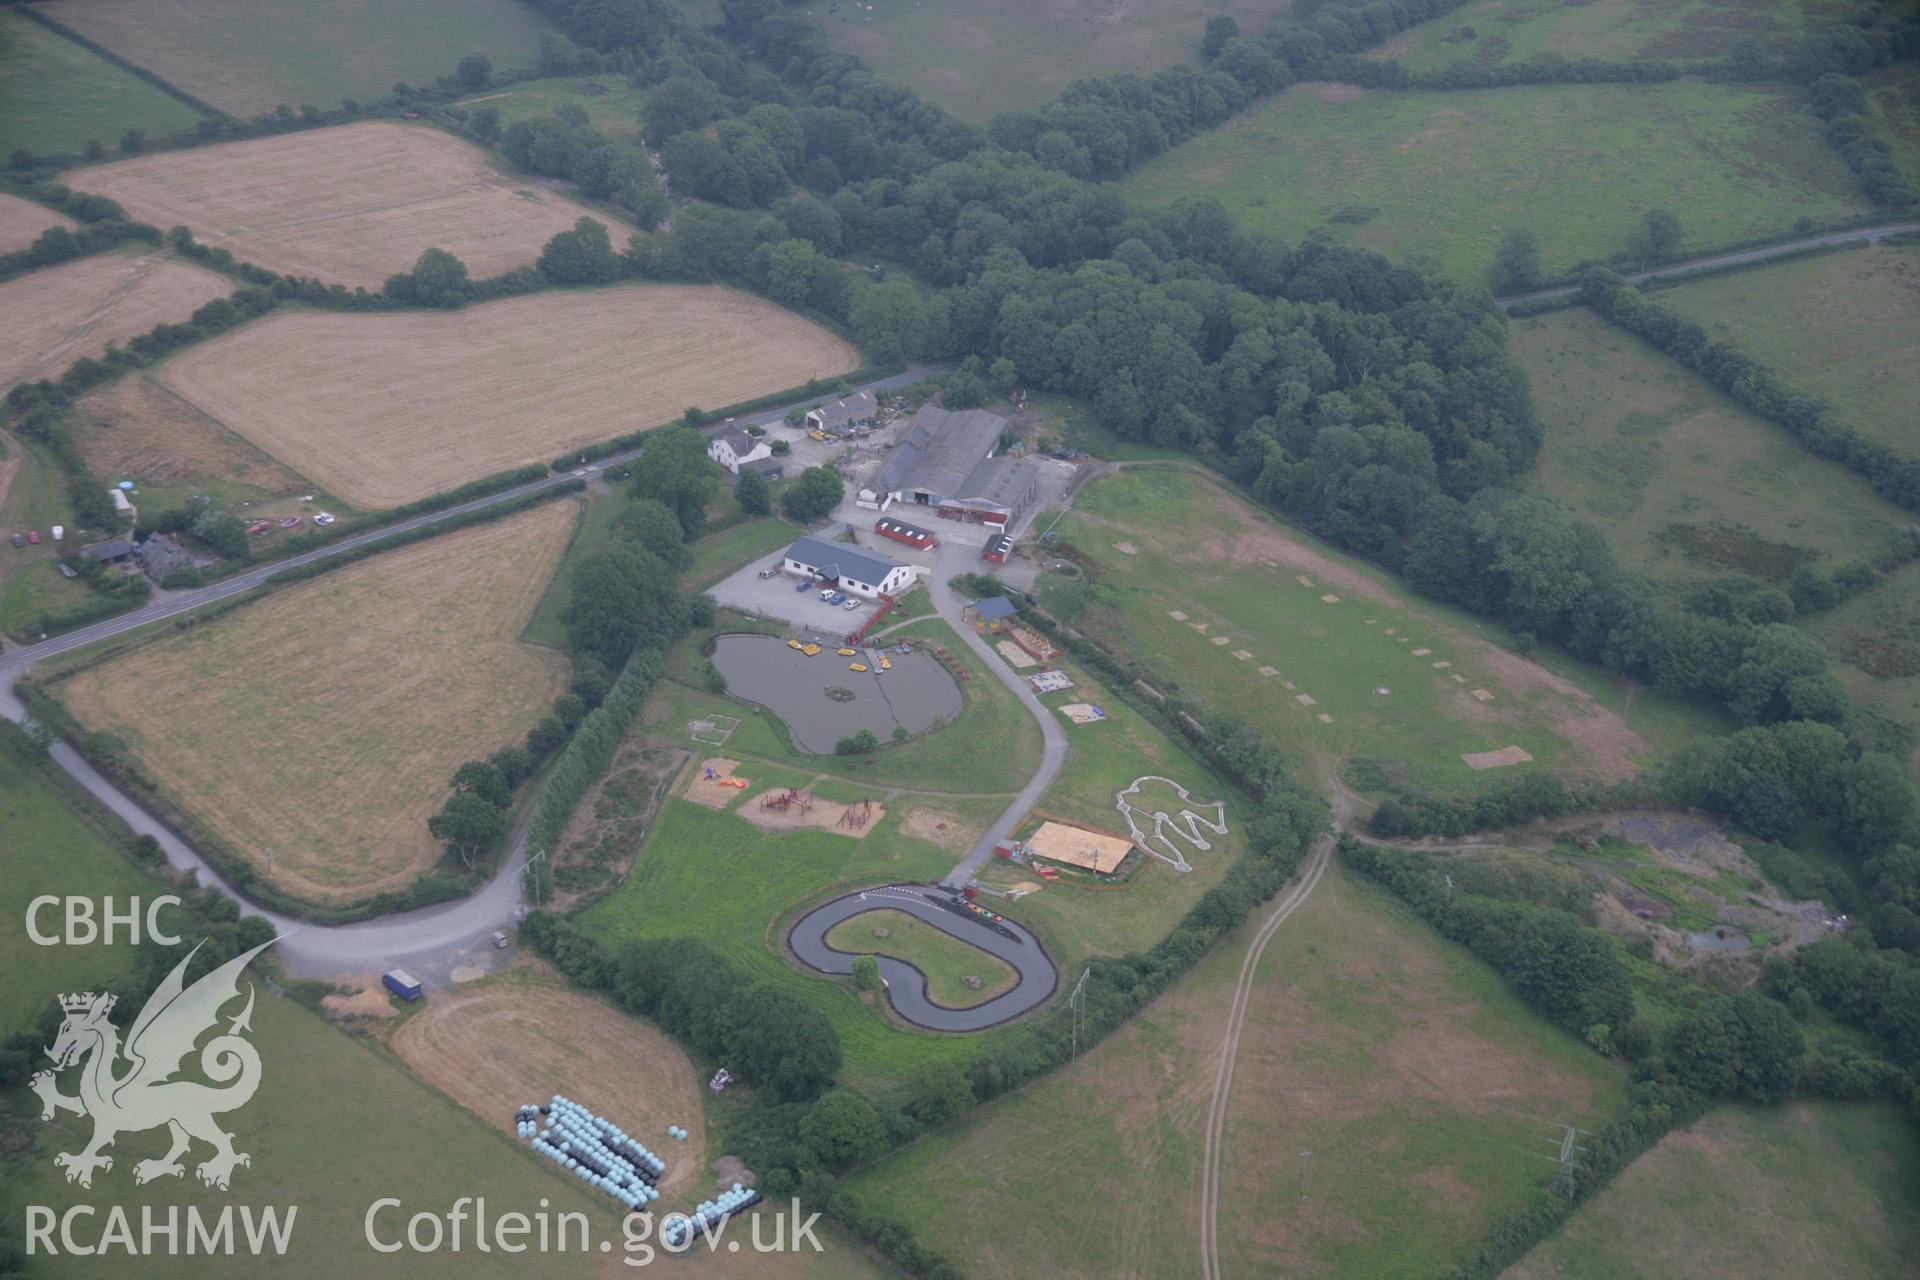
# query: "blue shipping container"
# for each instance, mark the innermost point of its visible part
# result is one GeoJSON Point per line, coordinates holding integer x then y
{"type": "Point", "coordinates": [402, 984]}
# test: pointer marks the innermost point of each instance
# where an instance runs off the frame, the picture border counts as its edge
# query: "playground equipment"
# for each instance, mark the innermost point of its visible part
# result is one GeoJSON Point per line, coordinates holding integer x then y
{"type": "Point", "coordinates": [719, 781]}
{"type": "Point", "coordinates": [721, 1079]}
{"type": "Point", "coordinates": [791, 798]}
{"type": "Point", "coordinates": [811, 650]}
{"type": "Point", "coordinates": [856, 666]}
{"type": "Point", "coordinates": [593, 1149]}
{"type": "Point", "coordinates": [857, 815]}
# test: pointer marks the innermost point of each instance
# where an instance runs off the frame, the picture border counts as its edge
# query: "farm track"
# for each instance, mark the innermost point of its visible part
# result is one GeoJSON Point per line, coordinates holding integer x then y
{"type": "Point", "coordinates": [1680, 270]}
{"type": "Point", "coordinates": [1289, 902]}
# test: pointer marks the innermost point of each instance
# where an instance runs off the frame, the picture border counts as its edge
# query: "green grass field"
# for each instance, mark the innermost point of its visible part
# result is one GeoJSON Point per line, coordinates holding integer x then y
{"type": "Point", "coordinates": [1224, 565]}
{"type": "Point", "coordinates": [1687, 485]}
{"type": "Point", "coordinates": [1874, 640]}
{"type": "Point", "coordinates": [1443, 175]}
{"type": "Point", "coordinates": [248, 56]}
{"type": "Point", "coordinates": [1402, 1063]}
{"type": "Point", "coordinates": [1015, 55]}
{"type": "Point", "coordinates": [611, 104]}
{"type": "Point", "coordinates": [56, 97]}
{"type": "Point", "coordinates": [945, 960]}
{"type": "Point", "coordinates": [53, 847]}
{"type": "Point", "coordinates": [713, 876]}
{"type": "Point", "coordinates": [1612, 29]}
{"type": "Point", "coordinates": [1844, 326]}
{"type": "Point", "coordinates": [1893, 105]}
{"type": "Point", "coordinates": [1828, 1189]}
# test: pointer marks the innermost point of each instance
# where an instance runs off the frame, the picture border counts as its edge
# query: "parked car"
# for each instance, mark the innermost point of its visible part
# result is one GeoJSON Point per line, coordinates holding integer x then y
{"type": "Point", "coordinates": [839, 597]}
{"type": "Point", "coordinates": [33, 537]}
{"type": "Point", "coordinates": [851, 604]}
{"type": "Point", "coordinates": [324, 518]}
{"type": "Point", "coordinates": [19, 541]}
{"type": "Point", "coordinates": [801, 585]}
{"type": "Point", "coordinates": [827, 594]}
{"type": "Point", "coordinates": [67, 570]}
{"type": "Point", "coordinates": [767, 573]}
{"type": "Point", "coordinates": [258, 527]}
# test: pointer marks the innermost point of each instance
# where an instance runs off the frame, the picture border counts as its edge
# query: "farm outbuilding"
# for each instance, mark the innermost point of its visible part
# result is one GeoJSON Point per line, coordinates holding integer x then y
{"type": "Point", "coordinates": [858, 412]}
{"type": "Point", "coordinates": [900, 531]}
{"type": "Point", "coordinates": [112, 551]}
{"type": "Point", "coordinates": [947, 462]}
{"type": "Point", "coordinates": [997, 549]}
{"type": "Point", "coordinates": [990, 614]}
{"type": "Point", "coordinates": [867, 574]}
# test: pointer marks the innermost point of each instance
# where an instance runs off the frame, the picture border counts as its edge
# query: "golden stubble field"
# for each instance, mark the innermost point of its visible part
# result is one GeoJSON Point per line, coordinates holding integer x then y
{"type": "Point", "coordinates": [350, 205]}
{"type": "Point", "coordinates": [323, 722]}
{"type": "Point", "coordinates": [22, 221]}
{"type": "Point", "coordinates": [54, 316]}
{"type": "Point", "coordinates": [385, 409]}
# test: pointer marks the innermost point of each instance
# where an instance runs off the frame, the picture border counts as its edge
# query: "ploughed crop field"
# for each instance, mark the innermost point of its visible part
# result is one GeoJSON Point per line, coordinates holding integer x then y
{"type": "Point", "coordinates": [1687, 484]}
{"type": "Point", "coordinates": [1815, 1188]}
{"type": "Point", "coordinates": [59, 314]}
{"type": "Point", "coordinates": [56, 96]}
{"type": "Point", "coordinates": [1617, 30]}
{"type": "Point", "coordinates": [1443, 175]}
{"type": "Point", "coordinates": [1245, 617]}
{"type": "Point", "coordinates": [323, 722]}
{"type": "Point", "coordinates": [351, 205]}
{"type": "Point", "coordinates": [1416, 1079]}
{"type": "Point", "coordinates": [1845, 326]}
{"type": "Point", "coordinates": [989, 56]}
{"type": "Point", "coordinates": [385, 409]}
{"type": "Point", "coordinates": [22, 221]}
{"type": "Point", "coordinates": [249, 56]}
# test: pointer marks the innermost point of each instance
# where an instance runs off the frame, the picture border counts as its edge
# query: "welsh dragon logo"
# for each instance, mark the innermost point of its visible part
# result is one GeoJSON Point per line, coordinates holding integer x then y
{"type": "Point", "coordinates": [132, 1087]}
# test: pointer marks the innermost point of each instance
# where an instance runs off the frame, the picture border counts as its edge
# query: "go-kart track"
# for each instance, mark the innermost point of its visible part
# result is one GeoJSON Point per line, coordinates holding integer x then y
{"type": "Point", "coordinates": [906, 986]}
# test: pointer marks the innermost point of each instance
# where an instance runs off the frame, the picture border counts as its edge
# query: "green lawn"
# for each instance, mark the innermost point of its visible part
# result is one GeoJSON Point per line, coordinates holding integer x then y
{"type": "Point", "coordinates": [611, 104]}
{"type": "Point", "coordinates": [1874, 640]}
{"type": "Point", "coordinates": [1816, 1188]}
{"type": "Point", "coordinates": [1417, 1081]}
{"type": "Point", "coordinates": [1844, 326]}
{"type": "Point", "coordinates": [944, 959]}
{"type": "Point", "coordinates": [248, 56]}
{"type": "Point", "coordinates": [715, 877]}
{"type": "Point", "coordinates": [52, 846]}
{"type": "Point", "coordinates": [1226, 566]}
{"type": "Point", "coordinates": [1005, 55]}
{"type": "Point", "coordinates": [1687, 485]}
{"type": "Point", "coordinates": [718, 554]}
{"type": "Point", "coordinates": [55, 96]}
{"type": "Point", "coordinates": [1620, 30]}
{"type": "Point", "coordinates": [1443, 175]}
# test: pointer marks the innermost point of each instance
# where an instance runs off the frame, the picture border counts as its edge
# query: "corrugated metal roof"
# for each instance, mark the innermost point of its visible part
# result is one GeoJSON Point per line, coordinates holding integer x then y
{"type": "Point", "coordinates": [941, 450]}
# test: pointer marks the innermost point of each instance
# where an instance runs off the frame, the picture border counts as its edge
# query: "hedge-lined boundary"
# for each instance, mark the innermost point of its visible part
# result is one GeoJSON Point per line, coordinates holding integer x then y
{"type": "Point", "coordinates": [32, 14]}
{"type": "Point", "coordinates": [429, 887]}
{"type": "Point", "coordinates": [1755, 386]}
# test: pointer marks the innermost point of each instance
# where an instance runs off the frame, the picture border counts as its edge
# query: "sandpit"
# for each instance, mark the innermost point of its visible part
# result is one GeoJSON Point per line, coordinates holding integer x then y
{"type": "Point", "coordinates": [1079, 847]}
{"type": "Point", "coordinates": [1496, 759]}
{"type": "Point", "coordinates": [812, 811]}
{"type": "Point", "coordinates": [1015, 655]}
{"type": "Point", "coordinates": [707, 791]}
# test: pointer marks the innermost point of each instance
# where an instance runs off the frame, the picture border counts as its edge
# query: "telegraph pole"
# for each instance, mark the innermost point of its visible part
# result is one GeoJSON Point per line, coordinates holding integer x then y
{"type": "Point", "coordinates": [538, 856]}
{"type": "Point", "coordinates": [1304, 1157]}
{"type": "Point", "coordinates": [1077, 1003]}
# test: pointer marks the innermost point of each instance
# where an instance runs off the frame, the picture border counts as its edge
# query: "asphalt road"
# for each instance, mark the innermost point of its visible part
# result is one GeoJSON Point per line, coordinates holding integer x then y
{"type": "Point", "coordinates": [429, 942]}
{"type": "Point", "coordinates": [906, 985]}
{"type": "Point", "coordinates": [1729, 259]}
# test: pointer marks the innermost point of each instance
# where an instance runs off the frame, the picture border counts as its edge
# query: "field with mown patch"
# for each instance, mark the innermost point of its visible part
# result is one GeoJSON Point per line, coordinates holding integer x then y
{"type": "Point", "coordinates": [1845, 326]}
{"type": "Point", "coordinates": [350, 205]}
{"type": "Point", "coordinates": [1419, 1083]}
{"type": "Point", "coordinates": [323, 722]}
{"type": "Point", "coordinates": [1687, 485]}
{"type": "Point", "coordinates": [1616, 30]}
{"type": "Point", "coordinates": [1301, 641]}
{"type": "Point", "coordinates": [58, 314]}
{"type": "Point", "coordinates": [387, 409]}
{"type": "Point", "coordinates": [57, 96]}
{"type": "Point", "coordinates": [1003, 55]}
{"type": "Point", "coordinates": [1443, 175]}
{"type": "Point", "coordinates": [1815, 1188]}
{"type": "Point", "coordinates": [249, 56]}
{"type": "Point", "coordinates": [611, 103]}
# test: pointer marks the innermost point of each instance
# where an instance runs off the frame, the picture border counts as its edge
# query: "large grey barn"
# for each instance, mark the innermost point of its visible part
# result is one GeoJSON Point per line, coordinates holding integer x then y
{"type": "Point", "coordinates": [946, 462]}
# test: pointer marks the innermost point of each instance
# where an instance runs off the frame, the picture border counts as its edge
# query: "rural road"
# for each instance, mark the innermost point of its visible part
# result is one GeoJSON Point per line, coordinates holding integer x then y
{"type": "Point", "coordinates": [959, 558]}
{"type": "Point", "coordinates": [906, 985]}
{"type": "Point", "coordinates": [431, 941]}
{"type": "Point", "coordinates": [1728, 259]}
{"type": "Point", "coordinates": [1289, 901]}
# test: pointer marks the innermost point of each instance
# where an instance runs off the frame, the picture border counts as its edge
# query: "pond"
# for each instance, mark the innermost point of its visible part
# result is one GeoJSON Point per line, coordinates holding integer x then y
{"type": "Point", "coordinates": [821, 701]}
